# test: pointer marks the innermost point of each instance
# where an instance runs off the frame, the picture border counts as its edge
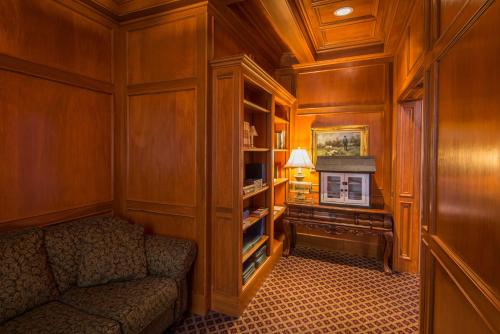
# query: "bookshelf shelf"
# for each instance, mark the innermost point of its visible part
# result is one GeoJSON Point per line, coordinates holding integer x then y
{"type": "Point", "coordinates": [282, 180]}
{"type": "Point", "coordinates": [255, 149]}
{"type": "Point", "coordinates": [261, 190]}
{"type": "Point", "coordinates": [251, 220]}
{"type": "Point", "coordinates": [255, 107]}
{"type": "Point", "coordinates": [278, 214]}
{"type": "Point", "coordinates": [280, 120]}
{"type": "Point", "coordinates": [252, 250]}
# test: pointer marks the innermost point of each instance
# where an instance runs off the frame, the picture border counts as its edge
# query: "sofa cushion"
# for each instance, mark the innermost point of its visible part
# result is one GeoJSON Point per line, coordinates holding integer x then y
{"type": "Point", "coordinates": [57, 318]}
{"type": "Point", "coordinates": [62, 244]}
{"type": "Point", "coordinates": [25, 277]}
{"type": "Point", "coordinates": [113, 250]}
{"type": "Point", "coordinates": [169, 257]}
{"type": "Point", "coordinates": [134, 304]}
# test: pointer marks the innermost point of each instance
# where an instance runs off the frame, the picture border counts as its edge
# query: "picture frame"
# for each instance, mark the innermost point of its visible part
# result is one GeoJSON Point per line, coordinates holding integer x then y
{"type": "Point", "coordinates": [350, 140]}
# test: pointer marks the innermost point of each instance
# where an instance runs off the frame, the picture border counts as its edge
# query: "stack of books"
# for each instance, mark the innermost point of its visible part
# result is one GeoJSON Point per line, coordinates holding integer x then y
{"type": "Point", "coordinates": [248, 270]}
{"type": "Point", "coordinates": [260, 256]}
{"type": "Point", "coordinates": [260, 212]}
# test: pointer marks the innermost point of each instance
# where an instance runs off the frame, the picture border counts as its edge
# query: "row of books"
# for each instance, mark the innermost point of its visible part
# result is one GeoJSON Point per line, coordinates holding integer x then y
{"type": "Point", "coordinates": [252, 235]}
{"type": "Point", "coordinates": [254, 262]}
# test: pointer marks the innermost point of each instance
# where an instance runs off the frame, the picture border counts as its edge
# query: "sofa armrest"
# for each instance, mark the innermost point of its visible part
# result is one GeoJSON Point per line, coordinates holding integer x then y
{"type": "Point", "coordinates": [169, 257]}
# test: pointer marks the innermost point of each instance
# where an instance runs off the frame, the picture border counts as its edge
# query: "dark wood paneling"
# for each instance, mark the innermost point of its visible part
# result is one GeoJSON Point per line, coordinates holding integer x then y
{"type": "Point", "coordinates": [159, 125]}
{"type": "Point", "coordinates": [463, 318]}
{"type": "Point", "coordinates": [162, 132]}
{"type": "Point", "coordinates": [55, 149]}
{"type": "Point", "coordinates": [345, 86]}
{"type": "Point", "coordinates": [469, 134]}
{"type": "Point", "coordinates": [460, 224]}
{"type": "Point", "coordinates": [162, 51]}
{"type": "Point", "coordinates": [407, 188]}
{"type": "Point", "coordinates": [49, 33]}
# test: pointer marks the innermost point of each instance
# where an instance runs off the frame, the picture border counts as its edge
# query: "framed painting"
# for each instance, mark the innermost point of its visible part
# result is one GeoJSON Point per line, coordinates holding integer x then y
{"type": "Point", "coordinates": [348, 141]}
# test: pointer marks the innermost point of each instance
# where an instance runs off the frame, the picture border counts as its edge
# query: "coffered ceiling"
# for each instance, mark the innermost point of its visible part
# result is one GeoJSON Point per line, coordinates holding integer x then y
{"type": "Point", "coordinates": [313, 32]}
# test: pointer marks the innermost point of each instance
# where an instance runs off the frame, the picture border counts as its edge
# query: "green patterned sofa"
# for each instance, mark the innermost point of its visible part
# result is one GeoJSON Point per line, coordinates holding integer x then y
{"type": "Point", "coordinates": [95, 275]}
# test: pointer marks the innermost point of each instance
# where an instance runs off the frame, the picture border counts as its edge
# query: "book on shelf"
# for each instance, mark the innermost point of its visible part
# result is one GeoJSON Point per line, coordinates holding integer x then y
{"type": "Point", "coordinates": [246, 134]}
{"type": "Point", "coordinates": [278, 170]}
{"type": "Point", "coordinates": [248, 189]}
{"type": "Point", "coordinates": [260, 212]}
{"type": "Point", "coordinates": [281, 139]}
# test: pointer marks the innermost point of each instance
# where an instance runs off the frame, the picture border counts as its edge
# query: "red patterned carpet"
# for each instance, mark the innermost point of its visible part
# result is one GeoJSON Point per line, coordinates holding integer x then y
{"type": "Point", "coordinates": [318, 291]}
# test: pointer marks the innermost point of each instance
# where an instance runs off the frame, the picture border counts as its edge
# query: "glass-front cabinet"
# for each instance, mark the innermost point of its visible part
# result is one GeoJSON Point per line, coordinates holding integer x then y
{"type": "Point", "coordinates": [345, 188]}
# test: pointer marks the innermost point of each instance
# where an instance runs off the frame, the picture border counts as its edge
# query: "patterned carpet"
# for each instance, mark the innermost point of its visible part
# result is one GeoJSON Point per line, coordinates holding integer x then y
{"type": "Point", "coordinates": [318, 291]}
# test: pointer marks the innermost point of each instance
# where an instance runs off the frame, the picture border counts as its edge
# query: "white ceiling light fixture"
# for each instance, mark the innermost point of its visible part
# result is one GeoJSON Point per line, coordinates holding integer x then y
{"type": "Point", "coordinates": [343, 11]}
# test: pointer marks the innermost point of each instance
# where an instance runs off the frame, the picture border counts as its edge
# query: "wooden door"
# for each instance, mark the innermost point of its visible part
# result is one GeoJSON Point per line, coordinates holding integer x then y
{"type": "Point", "coordinates": [407, 190]}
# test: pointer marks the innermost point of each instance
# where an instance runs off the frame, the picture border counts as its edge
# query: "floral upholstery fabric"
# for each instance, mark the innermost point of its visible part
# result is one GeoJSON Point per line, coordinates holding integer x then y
{"type": "Point", "coordinates": [134, 304]}
{"type": "Point", "coordinates": [57, 318]}
{"type": "Point", "coordinates": [25, 277]}
{"type": "Point", "coordinates": [111, 250]}
{"type": "Point", "coordinates": [169, 257]}
{"type": "Point", "coordinates": [62, 244]}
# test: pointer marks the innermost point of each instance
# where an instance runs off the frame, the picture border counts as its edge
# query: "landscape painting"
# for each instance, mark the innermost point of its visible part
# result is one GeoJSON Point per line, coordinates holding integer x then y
{"type": "Point", "coordinates": [340, 141]}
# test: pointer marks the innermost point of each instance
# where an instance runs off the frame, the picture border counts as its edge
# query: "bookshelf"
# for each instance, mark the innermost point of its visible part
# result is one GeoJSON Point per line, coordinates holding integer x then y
{"type": "Point", "coordinates": [281, 153]}
{"type": "Point", "coordinates": [246, 105]}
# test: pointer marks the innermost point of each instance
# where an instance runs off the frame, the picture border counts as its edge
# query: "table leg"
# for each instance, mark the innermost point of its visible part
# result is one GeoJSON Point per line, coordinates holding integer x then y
{"type": "Point", "coordinates": [388, 251]}
{"type": "Point", "coordinates": [288, 237]}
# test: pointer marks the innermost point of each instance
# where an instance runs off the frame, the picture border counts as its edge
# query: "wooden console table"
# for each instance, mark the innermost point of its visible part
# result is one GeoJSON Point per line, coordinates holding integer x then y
{"type": "Point", "coordinates": [339, 220]}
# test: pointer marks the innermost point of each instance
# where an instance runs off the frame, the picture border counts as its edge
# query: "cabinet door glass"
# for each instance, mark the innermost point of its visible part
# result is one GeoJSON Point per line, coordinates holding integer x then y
{"type": "Point", "coordinates": [355, 188]}
{"type": "Point", "coordinates": [333, 186]}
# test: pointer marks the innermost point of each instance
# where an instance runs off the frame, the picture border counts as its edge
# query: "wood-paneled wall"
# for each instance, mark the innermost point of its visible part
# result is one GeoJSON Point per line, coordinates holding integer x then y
{"type": "Point", "coordinates": [460, 223]}
{"type": "Point", "coordinates": [348, 94]}
{"type": "Point", "coordinates": [342, 94]}
{"type": "Point", "coordinates": [408, 78]}
{"type": "Point", "coordinates": [56, 98]}
{"type": "Point", "coordinates": [162, 130]}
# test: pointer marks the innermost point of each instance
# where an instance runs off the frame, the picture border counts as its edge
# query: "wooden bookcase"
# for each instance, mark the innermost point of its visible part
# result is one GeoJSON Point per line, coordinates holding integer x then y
{"type": "Point", "coordinates": [243, 92]}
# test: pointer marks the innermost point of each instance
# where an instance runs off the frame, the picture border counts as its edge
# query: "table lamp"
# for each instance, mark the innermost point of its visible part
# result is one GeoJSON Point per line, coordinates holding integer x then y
{"type": "Point", "coordinates": [299, 159]}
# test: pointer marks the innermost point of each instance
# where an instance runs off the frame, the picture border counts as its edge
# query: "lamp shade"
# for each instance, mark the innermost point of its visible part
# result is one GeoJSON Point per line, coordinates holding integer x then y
{"type": "Point", "coordinates": [299, 159]}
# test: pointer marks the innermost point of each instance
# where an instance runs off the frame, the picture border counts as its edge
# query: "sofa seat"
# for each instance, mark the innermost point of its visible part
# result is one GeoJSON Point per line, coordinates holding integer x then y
{"type": "Point", "coordinates": [134, 304]}
{"type": "Point", "coordinates": [57, 318]}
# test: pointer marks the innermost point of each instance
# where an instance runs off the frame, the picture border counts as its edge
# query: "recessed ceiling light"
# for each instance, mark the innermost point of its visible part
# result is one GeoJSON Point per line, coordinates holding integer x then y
{"type": "Point", "coordinates": [343, 11]}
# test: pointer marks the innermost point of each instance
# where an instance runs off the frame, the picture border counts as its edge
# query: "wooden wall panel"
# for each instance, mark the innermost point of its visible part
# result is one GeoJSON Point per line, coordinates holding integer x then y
{"type": "Point", "coordinates": [460, 224]}
{"type": "Point", "coordinates": [469, 126]}
{"type": "Point", "coordinates": [407, 170]}
{"type": "Point", "coordinates": [348, 94]}
{"type": "Point", "coordinates": [463, 318]}
{"type": "Point", "coordinates": [448, 10]}
{"type": "Point", "coordinates": [50, 33]}
{"type": "Point", "coordinates": [162, 51]}
{"type": "Point", "coordinates": [409, 56]}
{"type": "Point", "coordinates": [56, 131]}
{"type": "Point", "coordinates": [55, 147]}
{"type": "Point", "coordinates": [159, 124]}
{"type": "Point", "coordinates": [345, 86]}
{"type": "Point", "coordinates": [163, 130]}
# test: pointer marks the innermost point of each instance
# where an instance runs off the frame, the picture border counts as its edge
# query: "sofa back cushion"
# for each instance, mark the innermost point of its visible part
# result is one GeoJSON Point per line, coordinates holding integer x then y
{"type": "Point", "coordinates": [63, 242]}
{"type": "Point", "coordinates": [25, 277]}
{"type": "Point", "coordinates": [112, 250]}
